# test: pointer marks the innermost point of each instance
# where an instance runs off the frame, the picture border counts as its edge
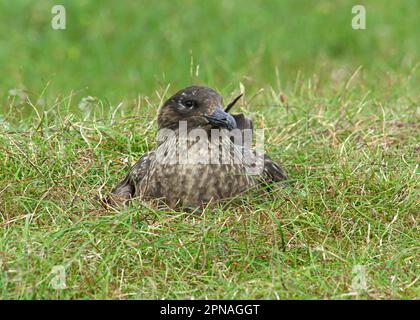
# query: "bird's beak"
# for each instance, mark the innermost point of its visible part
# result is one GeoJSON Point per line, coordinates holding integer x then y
{"type": "Point", "coordinates": [221, 119]}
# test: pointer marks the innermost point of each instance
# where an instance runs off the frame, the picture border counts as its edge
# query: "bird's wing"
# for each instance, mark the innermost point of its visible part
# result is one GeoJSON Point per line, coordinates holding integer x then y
{"type": "Point", "coordinates": [243, 122]}
{"type": "Point", "coordinates": [126, 189]}
{"type": "Point", "coordinates": [272, 171]}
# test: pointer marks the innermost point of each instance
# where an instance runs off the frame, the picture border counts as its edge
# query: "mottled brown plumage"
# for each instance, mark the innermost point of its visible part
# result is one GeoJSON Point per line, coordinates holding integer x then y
{"type": "Point", "coordinates": [191, 182]}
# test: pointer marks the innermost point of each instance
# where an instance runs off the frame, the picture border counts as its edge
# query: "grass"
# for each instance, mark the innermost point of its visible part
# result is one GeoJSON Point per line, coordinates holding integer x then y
{"type": "Point", "coordinates": [341, 114]}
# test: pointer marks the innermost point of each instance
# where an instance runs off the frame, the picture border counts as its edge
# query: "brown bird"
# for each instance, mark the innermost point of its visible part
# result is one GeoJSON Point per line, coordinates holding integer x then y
{"type": "Point", "coordinates": [201, 155]}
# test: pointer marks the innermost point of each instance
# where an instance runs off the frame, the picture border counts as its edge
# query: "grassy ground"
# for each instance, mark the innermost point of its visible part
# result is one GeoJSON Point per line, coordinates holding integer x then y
{"type": "Point", "coordinates": [340, 109]}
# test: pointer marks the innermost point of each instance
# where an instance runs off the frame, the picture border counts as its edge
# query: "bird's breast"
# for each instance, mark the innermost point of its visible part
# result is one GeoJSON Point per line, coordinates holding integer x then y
{"type": "Point", "coordinates": [196, 171]}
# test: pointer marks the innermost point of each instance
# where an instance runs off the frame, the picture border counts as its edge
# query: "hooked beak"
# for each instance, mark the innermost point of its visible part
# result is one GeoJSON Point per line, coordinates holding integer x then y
{"type": "Point", "coordinates": [221, 119]}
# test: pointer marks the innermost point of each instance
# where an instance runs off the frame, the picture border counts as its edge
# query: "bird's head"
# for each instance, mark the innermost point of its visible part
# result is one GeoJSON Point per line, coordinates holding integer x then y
{"type": "Point", "coordinates": [198, 106]}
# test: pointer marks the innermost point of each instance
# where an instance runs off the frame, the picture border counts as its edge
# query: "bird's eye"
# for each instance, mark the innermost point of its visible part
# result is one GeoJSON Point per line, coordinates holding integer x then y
{"type": "Point", "coordinates": [189, 104]}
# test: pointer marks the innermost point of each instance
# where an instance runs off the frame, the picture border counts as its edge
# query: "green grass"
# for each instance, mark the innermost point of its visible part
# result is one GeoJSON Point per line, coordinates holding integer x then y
{"type": "Point", "coordinates": [347, 128]}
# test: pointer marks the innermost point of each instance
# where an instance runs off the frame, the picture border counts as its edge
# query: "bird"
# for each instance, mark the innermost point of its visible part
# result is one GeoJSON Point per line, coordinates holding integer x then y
{"type": "Point", "coordinates": [200, 155]}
